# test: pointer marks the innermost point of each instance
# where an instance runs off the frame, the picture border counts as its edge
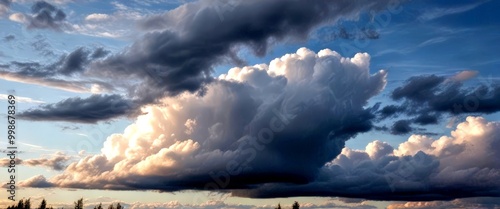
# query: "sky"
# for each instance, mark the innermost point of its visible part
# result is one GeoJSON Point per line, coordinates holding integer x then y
{"type": "Point", "coordinates": [247, 104]}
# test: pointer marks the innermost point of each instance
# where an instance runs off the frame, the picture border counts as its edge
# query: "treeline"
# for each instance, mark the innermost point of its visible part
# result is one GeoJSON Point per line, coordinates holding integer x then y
{"type": "Point", "coordinates": [26, 204]}
{"type": "Point", "coordinates": [294, 206]}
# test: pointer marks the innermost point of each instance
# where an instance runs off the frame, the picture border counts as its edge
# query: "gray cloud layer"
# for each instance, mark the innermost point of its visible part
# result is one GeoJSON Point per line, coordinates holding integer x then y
{"type": "Point", "coordinates": [428, 98]}
{"type": "Point", "coordinates": [187, 42]}
{"type": "Point", "coordinates": [88, 110]}
{"type": "Point", "coordinates": [182, 46]}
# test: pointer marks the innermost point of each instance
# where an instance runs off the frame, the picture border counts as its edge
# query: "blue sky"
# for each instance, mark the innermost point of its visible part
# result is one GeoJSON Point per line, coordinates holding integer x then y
{"type": "Point", "coordinates": [147, 102]}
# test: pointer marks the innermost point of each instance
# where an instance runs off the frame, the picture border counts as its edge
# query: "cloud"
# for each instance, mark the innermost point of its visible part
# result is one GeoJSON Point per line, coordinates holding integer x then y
{"type": "Point", "coordinates": [433, 41]}
{"type": "Point", "coordinates": [420, 169]}
{"type": "Point", "coordinates": [4, 7]}
{"type": "Point", "coordinates": [435, 13]}
{"type": "Point", "coordinates": [401, 127]}
{"type": "Point", "coordinates": [37, 181]}
{"type": "Point", "coordinates": [119, 24]}
{"type": "Point", "coordinates": [5, 162]}
{"type": "Point", "coordinates": [97, 17]}
{"type": "Point", "coordinates": [249, 121]}
{"type": "Point", "coordinates": [209, 204]}
{"type": "Point", "coordinates": [18, 17]}
{"type": "Point", "coordinates": [42, 46]}
{"type": "Point", "coordinates": [214, 204]}
{"type": "Point", "coordinates": [59, 73]}
{"type": "Point", "coordinates": [57, 162]}
{"type": "Point", "coordinates": [180, 51]}
{"type": "Point", "coordinates": [88, 110]}
{"type": "Point", "coordinates": [475, 202]}
{"type": "Point", "coordinates": [43, 16]}
{"type": "Point", "coordinates": [72, 86]}
{"type": "Point", "coordinates": [21, 99]}
{"type": "Point", "coordinates": [427, 98]}
{"type": "Point", "coordinates": [75, 61]}
{"type": "Point", "coordinates": [464, 75]}
{"type": "Point", "coordinates": [9, 38]}
{"type": "Point", "coordinates": [330, 33]}
{"type": "Point", "coordinates": [179, 56]}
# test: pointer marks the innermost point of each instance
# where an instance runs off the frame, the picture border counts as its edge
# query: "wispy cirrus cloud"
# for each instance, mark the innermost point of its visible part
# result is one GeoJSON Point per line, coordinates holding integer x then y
{"type": "Point", "coordinates": [434, 13]}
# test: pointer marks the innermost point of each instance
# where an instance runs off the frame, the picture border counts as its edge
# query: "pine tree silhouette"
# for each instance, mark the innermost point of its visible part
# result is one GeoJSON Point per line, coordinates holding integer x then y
{"type": "Point", "coordinates": [79, 204]}
{"type": "Point", "coordinates": [43, 204]}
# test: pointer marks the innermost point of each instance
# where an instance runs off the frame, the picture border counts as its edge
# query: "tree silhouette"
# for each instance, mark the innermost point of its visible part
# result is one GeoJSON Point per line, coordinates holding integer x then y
{"type": "Point", "coordinates": [79, 204]}
{"type": "Point", "coordinates": [118, 206]}
{"type": "Point", "coordinates": [43, 204]}
{"type": "Point", "coordinates": [279, 206]}
{"type": "Point", "coordinates": [20, 204]}
{"type": "Point", "coordinates": [295, 205]}
{"type": "Point", "coordinates": [99, 206]}
{"type": "Point", "coordinates": [27, 204]}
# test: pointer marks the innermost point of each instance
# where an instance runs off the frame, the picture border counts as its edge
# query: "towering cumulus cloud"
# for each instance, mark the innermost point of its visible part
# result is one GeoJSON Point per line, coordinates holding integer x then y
{"type": "Point", "coordinates": [257, 124]}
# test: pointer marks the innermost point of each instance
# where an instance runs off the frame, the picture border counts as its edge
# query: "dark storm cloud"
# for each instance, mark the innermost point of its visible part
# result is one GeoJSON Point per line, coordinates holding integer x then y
{"type": "Point", "coordinates": [67, 64]}
{"type": "Point", "coordinates": [426, 119]}
{"type": "Point", "coordinates": [418, 88]}
{"type": "Point", "coordinates": [45, 16]}
{"type": "Point", "coordinates": [170, 60]}
{"type": "Point", "coordinates": [33, 69]}
{"type": "Point", "coordinates": [401, 127]}
{"type": "Point", "coordinates": [89, 110]}
{"type": "Point", "coordinates": [426, 98]}
{"type": "Point", "coordinates": [433, 94]}
{"type": "Point", "coordinates": [76, 61]}
{"type": "Point", "coordinates": [187, 42]}
{"type": "Point", "coordinates": [99, 53]}
{"type": "Point", "coordinates": [390, 110]}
